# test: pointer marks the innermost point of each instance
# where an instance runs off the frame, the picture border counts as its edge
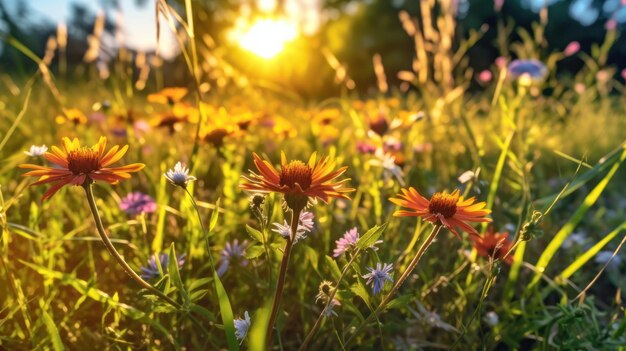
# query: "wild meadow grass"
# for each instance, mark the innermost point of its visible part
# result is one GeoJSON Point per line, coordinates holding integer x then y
{"type": "Point", "coordinates": [218, 252]}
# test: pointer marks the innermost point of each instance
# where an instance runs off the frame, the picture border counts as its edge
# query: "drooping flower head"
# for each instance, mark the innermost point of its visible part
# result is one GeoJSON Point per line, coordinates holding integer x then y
{"type": "Point", "coordinates": [534, 69]}
{"type": "Point", "coordinates": [377, 277]}
{"type": "Point", "coordinates": [324, 295]}
{"type": "Point", "coordinates": [77, 165]}
{"type": "Point", "coordinates": [36, 151]}
{"type": "Point", "coordinates": [495, 245]}
{"type": "Point", "coordinates": [151, 271]}
{"type": "Point", "coordinates": [242, 326]}
{"type": "Point", "coordinates": [232, 253]}
{"type": "Point", "coordinates": [348, 241]}
{"type": "Point", "coordinates": [450, 210]}
{"type": "Point", "coordinates": [305, 226]}
{"type": "Point", "coordinates": [136, 203]}
{"type": "Point", "coordinates": [298, 181]}
{"type": "Point", "coordinates": [179, 175]}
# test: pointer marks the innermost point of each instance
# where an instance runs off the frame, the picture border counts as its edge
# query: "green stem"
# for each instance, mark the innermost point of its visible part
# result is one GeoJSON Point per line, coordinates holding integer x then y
{"type": "Point", "coordinates": [109, 245]}
{"type": "Point", "coordinates": [320, 318]}
{"type": "Point", "coordinates": [398, 283]}
{"type": "Point", "coordinates": [204, 231]}
{"type": "Point", "coordinates": [295, 219]}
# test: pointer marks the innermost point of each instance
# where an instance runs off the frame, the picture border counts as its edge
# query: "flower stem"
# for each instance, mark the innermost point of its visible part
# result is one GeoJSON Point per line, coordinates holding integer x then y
{"type": "Point", "coordinates": [295, 219]}
{"type": "Point", "coordinates": [116, 255]}
{"type": "Point", "coordinates": [331, 295]}
{"type": "Point", "coordinates": [399, 282]}
{"type": "Point", "coordinates": [204, 231]}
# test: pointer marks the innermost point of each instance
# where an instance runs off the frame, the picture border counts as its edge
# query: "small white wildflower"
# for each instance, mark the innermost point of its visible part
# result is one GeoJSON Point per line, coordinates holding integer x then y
{"type": "Point", "coordinates": [491, 318]}
{"type": "Point", "coordinates": [242, 326]}
{"type": "Point", "coordinates": [36, 151]}
{"type": "Point", "coordinates": [388, 163]}
{"type": "Point", "coordinates": [305, 226]}
{"type": "Point", "coordinates": [466, 177]}
{"type": "Point", "coordinates": [179, 175]}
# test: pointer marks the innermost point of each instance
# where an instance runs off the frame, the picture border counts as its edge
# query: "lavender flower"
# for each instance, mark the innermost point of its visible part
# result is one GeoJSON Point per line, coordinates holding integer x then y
{"type": "Point", "coordinates": [232, 251]}
{"type": "Point", "coordinates": [348, 241]}
{"type": "Point", "coordinates": [36, 151]}
{"type": "Point", "coordinates": [136, 203]}
{"type": "Point", "coordinates": [377, 277]}
{"type": "Point", "coordinates": [305, 226]}
{"type": "Point", "coordinates": [365, 147]}
{"type": "Point", "coordinates": [242, 326]}
{"type": "Point", "coordinates": [535, 69]}
{"type": "Point", "coordinates": [152, 270]}
{"type": "Point", "coordinates": [179, 175]}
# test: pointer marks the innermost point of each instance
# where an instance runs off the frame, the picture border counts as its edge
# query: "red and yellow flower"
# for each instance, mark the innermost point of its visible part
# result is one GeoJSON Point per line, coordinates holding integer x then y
{"type": "Point", "coordinates": [77, 165]}
{"type": "Point", "coordinates": [299, 181]}
{"type": "Point", "coordinates": [493, 244]}
{"type": "Point", "coordinates": [449, 210]}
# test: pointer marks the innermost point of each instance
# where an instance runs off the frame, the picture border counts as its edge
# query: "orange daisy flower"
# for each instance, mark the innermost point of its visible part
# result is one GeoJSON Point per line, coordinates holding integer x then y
{"type": "Point", "coordinates": [450, 210]}
{"type": "Point", "coordinates": [494, 245]}
{"type": "Point", "coordinates": [298, 181]}
{"type": "Point", "coordinates": [75, 164]}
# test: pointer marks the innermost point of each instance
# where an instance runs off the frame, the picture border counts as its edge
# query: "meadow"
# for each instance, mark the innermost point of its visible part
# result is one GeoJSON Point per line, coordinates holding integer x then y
{"type": "Point", "coordinates": [289, 223]}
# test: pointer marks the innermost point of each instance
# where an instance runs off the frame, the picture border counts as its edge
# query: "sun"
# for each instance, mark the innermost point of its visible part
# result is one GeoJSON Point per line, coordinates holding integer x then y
{"type": "Point", "coordinates": [266, 38]}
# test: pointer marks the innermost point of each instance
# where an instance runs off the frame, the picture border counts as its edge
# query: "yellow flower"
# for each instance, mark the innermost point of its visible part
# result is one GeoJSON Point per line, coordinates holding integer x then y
{"type": "Point", "coordinates": [168, 96]}
{"type": "Point", "coordinates": [71, 115]}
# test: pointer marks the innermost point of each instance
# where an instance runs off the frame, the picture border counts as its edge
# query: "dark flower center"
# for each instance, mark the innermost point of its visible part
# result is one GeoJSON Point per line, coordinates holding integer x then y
{"type": "Point", "coordinates": [296, 172]}
{"type": "Point", "coordinates": [83, 161]}
{"type": "Point", "coordinates": [379, 125]}
{"type": "Point", "coordinates": [443, 204]}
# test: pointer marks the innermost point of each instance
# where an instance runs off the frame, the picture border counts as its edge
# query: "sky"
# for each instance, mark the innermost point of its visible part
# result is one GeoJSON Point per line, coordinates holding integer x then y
{"type": "Point", "coordinates": [138, 22]}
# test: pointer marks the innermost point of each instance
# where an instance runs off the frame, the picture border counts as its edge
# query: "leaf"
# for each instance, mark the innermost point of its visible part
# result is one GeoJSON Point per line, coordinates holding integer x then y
{"type": "Point", "coordinates": [359, 290]}
{"type": "Point", "coordinates": [254, 251]}
{"type": "Point", "coordinates": [577, 217]}
{"type": "Point", "coordinates": [162, 199]}
{"type": "Point", "coordinates": [174, 274]}
{"type": "Point", "coordinates": [589, 254]}
{"type": "Point", "coordinates": [254, 234]}
{"type": "Point", "coordinates": [53, 332]}
{"type": "Point", "coordinates": [334, 269]}
{"type": "Point", "coordinates": [399, 302]}
{"type": "Point", "coordinates": [227, 314]}
{"type": "Point", "coordinates": [256, 335]}
{"type": "Point", "coordinates": [214, 216]}
{"type": "Point", "coordinates": [371, 236]}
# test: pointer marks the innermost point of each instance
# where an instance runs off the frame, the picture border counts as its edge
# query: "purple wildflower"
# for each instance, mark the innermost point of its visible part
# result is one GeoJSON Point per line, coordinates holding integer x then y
{"type": "Point", "coordinates": [232, 251]}
{"type": "Point", "coordinates": [136, 203]}
{"type": "Point", "coordinates": [152, 270]}
{"type": "Point", "coordinates": [348, 241]}
{"type": "Point", "coordinates": [365, 147]}
{"type": "Point", "coordinates": [378, 276]}
{"type": "Point", "coordinates": [535, 69]}
{"type": "Point", "coordinates": [242, 326]}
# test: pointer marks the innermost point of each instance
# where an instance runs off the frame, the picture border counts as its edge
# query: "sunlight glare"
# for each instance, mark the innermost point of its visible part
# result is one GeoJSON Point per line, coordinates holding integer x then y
{"type": "Point", "coordinates": [266, 38]}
